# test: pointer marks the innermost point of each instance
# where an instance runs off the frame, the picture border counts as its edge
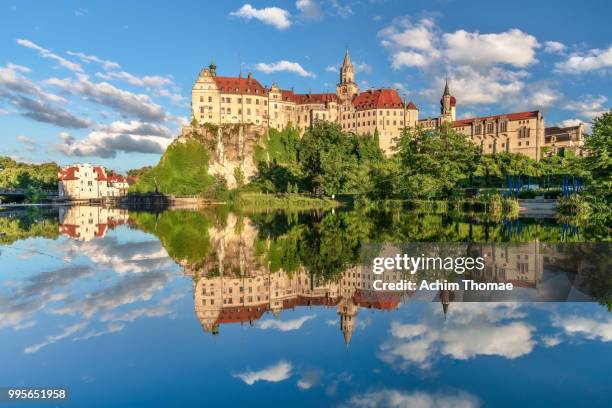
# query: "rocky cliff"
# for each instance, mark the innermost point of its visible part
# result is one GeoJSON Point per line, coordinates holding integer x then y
{"type": "Point", "coordinates": [231, 147]}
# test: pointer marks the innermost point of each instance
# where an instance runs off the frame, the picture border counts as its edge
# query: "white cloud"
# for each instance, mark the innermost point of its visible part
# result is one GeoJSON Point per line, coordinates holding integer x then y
{"type": "Point", "coordinates": [284, 66]}
{"type": "Point", "coordinates": [285, 325]}
{"type": "Point", "coordinates": [136, 127]}
{"type": "Point", "coordinates": [107, 144]}
{"type": "Point", "coordinates": [410, 59]}
{"type": "Point", "coordinates": [512, 47]}
{"type": "Point", "coordinates": [343, 10]}
{"type": "Point", "coordinates": [362, 67]}
{"type": "Point", "coordinates": [404, 34]}
{"type": "Point", "coordinates": [390, 398]}
{"type": "Point", "coordinates": [554, 47]}
{"type": "Point", "coordinates": [274, 16]}
{"type": "Point", "coordinates": [586, 327]}
{"type": "Point", "coordinates": [482, 68]}
{"type": "Point", "coordinates": [28, 142]}
{"type": "Point", "coordinates": [273, 373]}
{"type": "Point", "coordinates": [106, 64]}
{"type": "Point", "coordinates": [575, 122]}
{"type": "Point", "coordinates": [588, 106]}
{"type": "Point", "coordinates": [332, 68]}
{"type": "Point", "coordinates": [591, 60]}
{"type": "Point", "coordinates": [309, 9]}
{"type": "Point", "coordinates": [540, 95]}
{"type": "Point", "coordinates": [45, 53]}
{"type": "Point", "coordinates": [472, 86]}
{"type": "Point", "coordinates": [103, 93]}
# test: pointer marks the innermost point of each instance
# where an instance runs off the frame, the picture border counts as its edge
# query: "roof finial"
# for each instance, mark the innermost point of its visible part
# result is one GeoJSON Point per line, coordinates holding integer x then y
{"type": "Point", "coordinates": [446, 91]}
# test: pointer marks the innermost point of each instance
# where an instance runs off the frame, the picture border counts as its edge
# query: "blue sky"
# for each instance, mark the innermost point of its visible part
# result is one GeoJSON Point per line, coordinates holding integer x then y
{"type": "Point", "coordinates": [108, 83]}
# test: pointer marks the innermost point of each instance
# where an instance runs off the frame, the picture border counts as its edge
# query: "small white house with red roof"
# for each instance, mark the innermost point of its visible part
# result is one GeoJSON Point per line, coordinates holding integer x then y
{"type": "Point", "coordinates": [87, 182]}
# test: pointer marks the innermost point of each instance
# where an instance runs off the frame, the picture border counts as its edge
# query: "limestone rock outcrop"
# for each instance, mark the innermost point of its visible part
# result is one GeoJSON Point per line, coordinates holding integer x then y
{"type": "Point", "coordinates": [231, 146]}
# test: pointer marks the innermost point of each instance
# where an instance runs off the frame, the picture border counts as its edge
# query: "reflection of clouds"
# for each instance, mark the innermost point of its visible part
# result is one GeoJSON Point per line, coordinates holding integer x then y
{"type": "Point", "coordinates": [68, 331]}
{"type": "Point", "coordinates": [343, 377]}
{"type": "Point", "coordinates": [389, 398]}
{"type": "Point", "coordinates": [587, 327]}
{"type": "Point", "coordinates": [122, 257]}
{"type": "Point", "coordinates": [100, 302]}
{"type": "Point", "coordinates": [551, 341]}
{"type": "Point", "coordinates": [285, 325]}
{"type": "Point", "coordinates": [473, 329]}
{"type": "Point", "coordinates": [273, 373]}
{"type": "Point", "coordinates": [128, 289]}
{"type": "Point", "coordinates": [309, 379]}
{"type": "Point", "coordinates": [34, 293]}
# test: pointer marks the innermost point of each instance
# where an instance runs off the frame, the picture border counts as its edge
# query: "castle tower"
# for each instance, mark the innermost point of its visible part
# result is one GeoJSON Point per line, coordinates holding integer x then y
{"type": "Point", "coordinates": [447, 106]}
{"type": "Point", "coordinates": [347, 88]}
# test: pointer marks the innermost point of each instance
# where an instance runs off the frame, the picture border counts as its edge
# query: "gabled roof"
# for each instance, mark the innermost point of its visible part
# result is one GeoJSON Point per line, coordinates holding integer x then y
{"type": "Point", "coordinates": [239, 85]}
{"type": "Point", "coordinates": [377, 99]}
{"type": "Point", "coordinates": [509, 116]}
{"type": "Point", "coordinates": [100, 173]}
{"type": "Point", "coordinates": [68, 173]}
{"type": "Point", "coordinates": [412, 106]}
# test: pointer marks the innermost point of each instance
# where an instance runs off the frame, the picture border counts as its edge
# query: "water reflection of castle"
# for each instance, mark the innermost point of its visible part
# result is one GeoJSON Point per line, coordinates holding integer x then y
{"type": "Point", "coordinates": [85, 222]}
{"type": "Point", "coordinates": [233, 286]}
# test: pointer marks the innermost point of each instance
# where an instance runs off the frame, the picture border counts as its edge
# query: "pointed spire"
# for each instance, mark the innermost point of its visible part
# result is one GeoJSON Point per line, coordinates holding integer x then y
{"type": "Point", "coordinates": [347, 338]}
{"type": "Point", "coordinates": [446, 91]}
{"type": "Point", "coordinates": [347, 58]}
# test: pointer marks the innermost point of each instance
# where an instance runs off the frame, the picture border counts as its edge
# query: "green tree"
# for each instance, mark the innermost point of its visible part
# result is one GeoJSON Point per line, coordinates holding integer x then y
{"type": "Point", "coordinates": [434, 161]}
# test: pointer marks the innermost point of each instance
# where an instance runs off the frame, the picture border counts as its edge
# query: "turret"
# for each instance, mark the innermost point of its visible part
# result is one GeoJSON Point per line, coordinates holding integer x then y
{"type": "Point", "coordinates": [447, 105]}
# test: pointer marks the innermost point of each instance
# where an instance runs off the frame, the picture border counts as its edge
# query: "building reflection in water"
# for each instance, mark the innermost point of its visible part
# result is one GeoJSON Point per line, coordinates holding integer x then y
{"type": "Point", "coordinates": [86, 222]}
{"type": "Point", "coordinates": [233, 285]}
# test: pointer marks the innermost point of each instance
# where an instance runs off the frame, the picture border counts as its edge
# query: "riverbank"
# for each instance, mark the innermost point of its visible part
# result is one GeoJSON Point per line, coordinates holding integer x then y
{"type": "Point", "coordinates": [258, 202]}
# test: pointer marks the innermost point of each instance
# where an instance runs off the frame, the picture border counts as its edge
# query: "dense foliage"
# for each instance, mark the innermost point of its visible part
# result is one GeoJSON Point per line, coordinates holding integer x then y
{"type": "Point", "coordinates": [23, 175]}
{"type": "Point", "coordinates": [182, 170]}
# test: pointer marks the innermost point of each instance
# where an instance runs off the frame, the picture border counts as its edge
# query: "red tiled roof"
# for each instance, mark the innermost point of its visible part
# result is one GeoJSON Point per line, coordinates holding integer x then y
{"type": "Point", "coordinates": [239, 85]}
{"type": "Point", "coordinates": [315, 98]}
{"type": "Point", "coordinates": [100, 173]}
{"type": "Point", "coordinates": [377, 300]}
{"type": "Point", "coordinates": [412, 106]}
{"type": "Point", "coordinates": [510, 116]}
{"type": "Point", "coordinates": [68, 173]}
{"type": "Point", "coordinates": [241, 314]}
{"type": "Point", "coordinates": [287, 95]}
{"type": "Point", "coordinates": [117, 179]}
{"type": "Point", "coordinates": [69, 229]}
{"type": "Point", "coordinates": [377, 98]}
{"type": "Point", "coordinates": [101, 230]}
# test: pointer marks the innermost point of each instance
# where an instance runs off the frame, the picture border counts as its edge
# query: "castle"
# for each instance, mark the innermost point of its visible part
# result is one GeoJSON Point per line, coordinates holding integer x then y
{"type": "Point", "coordinates": [243, 100]}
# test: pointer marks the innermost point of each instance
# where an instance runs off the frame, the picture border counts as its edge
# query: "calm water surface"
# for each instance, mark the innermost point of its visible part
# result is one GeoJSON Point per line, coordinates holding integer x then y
{"type": "Point", "coordinates": [213, 308]}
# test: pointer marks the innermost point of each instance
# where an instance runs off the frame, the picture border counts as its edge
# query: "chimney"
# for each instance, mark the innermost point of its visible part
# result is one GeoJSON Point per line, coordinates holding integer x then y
{"type": "Point", "coordinates": [250, 75]}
